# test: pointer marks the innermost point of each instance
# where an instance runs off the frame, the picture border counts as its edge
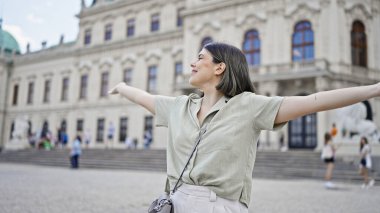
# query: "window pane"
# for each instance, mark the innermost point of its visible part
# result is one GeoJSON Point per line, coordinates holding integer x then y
{"type": "Point", "coordinates": [247, 45]}
{"type": "Point", "coordinates": [30, 92]}
{"type": "Point", "coordinates": [123, 129]}
{"type": "Point", "coordinates": [83, 87]}
{"type": "Point", "coordinates": [297, 38]}
{"type": "Point", "coordinates": [87, 37]}
{"type": "Point", "coordinates": [256, 44]}
{"type": "Point", "coordinates": [297, 54]}
{"type": "Point", "coordinates": [130, 27]}
{"type": "Point", "coordinates": [155, 23]}
{"type": "Point", "coordinates": [15, 94]}
{"type": "Point", "coordinates": [108, 32]}
{"type": "Point", "coordinates": [100, 130]}
{"type": "Point", "coordinates": [256, 59]}
{"type": "Point", "coordinates": [104, 84]}
{"type": "Point", "coordinates": [309, 51]}
{"type": "Point", "coordinates": [309, 36]}
{"type": "Point", "coordinates": [152, 79]}
{"type": "Point", "coordinates": [178, 68]}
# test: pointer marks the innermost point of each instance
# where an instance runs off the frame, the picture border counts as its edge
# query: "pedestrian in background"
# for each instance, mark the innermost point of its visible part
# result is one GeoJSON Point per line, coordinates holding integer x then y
{"type": "Point", "coordinates": [87, 137]}
{"type": "Point", "coordinates": [328, 156]}
{"type": "Point", "coordinates": [75, 152]}
{"type": "Point", "coordinates": [110, 135]}
{"type": "Point", "coordinates": [365, 163]}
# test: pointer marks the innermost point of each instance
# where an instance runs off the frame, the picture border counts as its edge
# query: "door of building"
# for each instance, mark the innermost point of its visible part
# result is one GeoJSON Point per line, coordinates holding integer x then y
{"type": "Point", "coordinates": [303, 132]}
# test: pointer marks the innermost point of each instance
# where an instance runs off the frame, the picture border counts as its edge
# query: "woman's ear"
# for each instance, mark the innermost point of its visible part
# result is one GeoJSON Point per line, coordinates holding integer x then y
{"type": "Point", "coordinates": [221, 67]}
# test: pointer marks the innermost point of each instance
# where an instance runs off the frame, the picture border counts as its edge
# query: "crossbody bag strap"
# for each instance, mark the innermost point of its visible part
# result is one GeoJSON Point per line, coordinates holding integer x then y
{"type": "Point", "coordinates": [201, 133]}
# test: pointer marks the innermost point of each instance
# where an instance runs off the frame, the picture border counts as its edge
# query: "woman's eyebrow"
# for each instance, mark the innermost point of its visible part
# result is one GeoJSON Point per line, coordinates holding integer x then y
{"type": "Point", "coordinates": [200, 55]}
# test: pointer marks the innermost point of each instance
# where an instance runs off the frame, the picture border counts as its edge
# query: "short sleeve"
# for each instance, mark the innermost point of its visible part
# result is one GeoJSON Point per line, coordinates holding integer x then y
{"type": "Point", "coordinates": [163, 105]}
{"type": "Point", "coordinates": [265, 110]}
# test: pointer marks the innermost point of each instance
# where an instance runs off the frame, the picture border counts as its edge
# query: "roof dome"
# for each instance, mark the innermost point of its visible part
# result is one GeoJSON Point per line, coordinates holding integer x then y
{"type": "Point", "coordinates": [8, 43]}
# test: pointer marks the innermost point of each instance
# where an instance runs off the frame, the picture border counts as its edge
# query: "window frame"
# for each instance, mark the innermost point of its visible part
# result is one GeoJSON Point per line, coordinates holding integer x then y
{"type": "Point", "coordinates": [301, 29]}
{"type": "Point", "coordinates": [253, 52]}
{"type": "Point", "coordinates": [155, 22]}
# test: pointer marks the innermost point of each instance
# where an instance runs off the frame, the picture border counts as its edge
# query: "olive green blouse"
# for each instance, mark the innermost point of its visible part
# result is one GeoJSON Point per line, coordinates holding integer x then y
{"type": "Point", "coordinates": [224, 159]}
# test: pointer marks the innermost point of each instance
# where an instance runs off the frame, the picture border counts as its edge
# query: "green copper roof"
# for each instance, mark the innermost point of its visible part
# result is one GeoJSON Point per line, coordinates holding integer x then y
{"type": "Point", "coordinates": [8, 43]}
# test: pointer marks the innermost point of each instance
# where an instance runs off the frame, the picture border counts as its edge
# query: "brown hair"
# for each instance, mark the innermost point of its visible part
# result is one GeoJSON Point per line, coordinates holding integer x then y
{"type": "Point", "coordinates": [327, 137]}
{"type": "Point", "coordinates": [235, 79]}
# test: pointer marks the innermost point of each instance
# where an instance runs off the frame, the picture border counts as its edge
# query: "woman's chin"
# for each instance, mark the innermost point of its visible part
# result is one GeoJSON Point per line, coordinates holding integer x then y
{"type": "Point", "coordinates": [191, 82]}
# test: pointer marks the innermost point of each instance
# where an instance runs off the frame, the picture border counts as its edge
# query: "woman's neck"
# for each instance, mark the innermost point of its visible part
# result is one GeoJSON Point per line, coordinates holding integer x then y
{"type": "Point", "coordinates": [211, 97]}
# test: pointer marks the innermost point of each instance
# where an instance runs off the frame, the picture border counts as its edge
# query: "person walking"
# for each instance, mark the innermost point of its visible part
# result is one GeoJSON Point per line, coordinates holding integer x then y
{"type": "Point", "coordinates": [328, 156]}
{"type": "Point", "coordinates": [110, 135]}
{"type": "Point", "coordinates": [226, 119]}
{"type": "Point", "coordinates": [365, 163]}
{"type": "Point", "coordinates": [75, 152]}
{"type": "Point", "coordinates": [148, 138]}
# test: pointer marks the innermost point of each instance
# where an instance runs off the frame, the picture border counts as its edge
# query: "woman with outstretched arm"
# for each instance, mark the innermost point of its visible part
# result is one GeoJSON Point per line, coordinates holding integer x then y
{"type": "Point", "coordinates": [227, 120]}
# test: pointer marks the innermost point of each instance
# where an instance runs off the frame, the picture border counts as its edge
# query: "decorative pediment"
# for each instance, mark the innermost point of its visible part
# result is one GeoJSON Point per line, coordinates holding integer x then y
{"type": "Point", "coordinates": [130, 13]}
{"type": "Point", "coordinates": [250, 18]}
{"type": "Point", "coordinates": [153, 56]}
{"type": "Point", "coordinates": [176, 50]}
{"type": "Point", "coordinates": [85, 65]}
{"type": "Point", "coordinates": [106, 62]}
{"type": "Point", "coordinates": [128, 59]}
{"type": "Point", "coordinates": [215, 25]}
{"type": "Point", "coordinates": [358, 9]}
{"type": "Point", "coordinates": [31, 77]}
{"type": "Point", "coordinates": [302, 8]}
{"type": "Point", "coordinates": [108, 18]}
{"type": "Point", "coordinates": [66, 72]}
{"type": "Point", "coordinates": [48, 75]}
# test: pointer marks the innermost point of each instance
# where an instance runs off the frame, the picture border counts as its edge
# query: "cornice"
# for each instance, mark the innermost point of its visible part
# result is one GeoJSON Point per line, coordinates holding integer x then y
{"type": "Point", "coordinates": [73, 52]}
{"type": "Point", "coordinates": [142, 40]}
{"type": "Point", "coordinates": [204, 8]}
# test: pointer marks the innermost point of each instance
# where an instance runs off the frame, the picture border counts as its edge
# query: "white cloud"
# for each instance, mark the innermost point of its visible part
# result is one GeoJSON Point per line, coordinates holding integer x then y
{"type": "Point", "coordinates": [21, 38]}
{"type": "Point", "coordinates": [34, 19]}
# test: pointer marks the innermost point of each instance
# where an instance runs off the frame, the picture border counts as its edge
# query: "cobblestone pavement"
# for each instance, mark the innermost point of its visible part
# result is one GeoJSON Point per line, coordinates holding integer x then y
{"type": "Point", "coordinates": [25, 189]}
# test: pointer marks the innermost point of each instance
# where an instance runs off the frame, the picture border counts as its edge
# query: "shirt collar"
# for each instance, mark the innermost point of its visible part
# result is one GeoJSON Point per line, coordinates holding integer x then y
{"type": "Point", "coordinates": [196, 99]}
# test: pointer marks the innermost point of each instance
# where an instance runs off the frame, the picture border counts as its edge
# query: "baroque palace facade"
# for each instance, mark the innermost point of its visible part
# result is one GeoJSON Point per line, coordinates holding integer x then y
{"type": "Point", "coordinates": [293, 47]}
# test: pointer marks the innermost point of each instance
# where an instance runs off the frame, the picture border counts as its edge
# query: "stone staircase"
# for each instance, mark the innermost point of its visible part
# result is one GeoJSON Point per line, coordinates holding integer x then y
{"type": "Point", "coordinates": [269, 164]}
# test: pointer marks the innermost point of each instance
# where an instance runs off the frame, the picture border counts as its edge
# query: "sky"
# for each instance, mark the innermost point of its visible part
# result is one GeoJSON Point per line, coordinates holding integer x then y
{"type": "Point", "coordinates": [35, 21]}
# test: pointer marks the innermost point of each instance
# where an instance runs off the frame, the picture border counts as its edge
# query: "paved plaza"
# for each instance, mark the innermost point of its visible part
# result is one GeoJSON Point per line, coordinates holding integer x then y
{"type": "Point", "coordinates": [25, 188]}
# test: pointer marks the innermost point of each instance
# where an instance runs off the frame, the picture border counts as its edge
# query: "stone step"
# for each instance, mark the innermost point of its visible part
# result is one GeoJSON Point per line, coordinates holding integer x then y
{"type": "Point", "coordinates": [269, 164]}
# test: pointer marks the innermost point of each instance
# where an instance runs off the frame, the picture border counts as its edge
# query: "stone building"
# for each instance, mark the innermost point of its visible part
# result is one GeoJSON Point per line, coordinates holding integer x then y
{"type": "Point", "coordinates": [293, 47]}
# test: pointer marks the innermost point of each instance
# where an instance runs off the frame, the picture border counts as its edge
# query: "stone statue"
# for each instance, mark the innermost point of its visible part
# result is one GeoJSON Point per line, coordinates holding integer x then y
{"type": "Point", "coordinates": [353, 121]}
{"type": "Point", "coordinates": [21, 128]}
{"type": "Point", "coordinates": [19, 134]}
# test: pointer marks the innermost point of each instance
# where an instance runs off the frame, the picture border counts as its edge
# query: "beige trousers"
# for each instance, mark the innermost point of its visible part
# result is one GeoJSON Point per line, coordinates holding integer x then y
{"type": "Point", "coordinates": [199, 199]}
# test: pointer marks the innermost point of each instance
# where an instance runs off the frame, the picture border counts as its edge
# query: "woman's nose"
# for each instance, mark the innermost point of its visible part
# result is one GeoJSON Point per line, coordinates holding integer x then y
{"type": "Point", "coordinates": [192, 64]}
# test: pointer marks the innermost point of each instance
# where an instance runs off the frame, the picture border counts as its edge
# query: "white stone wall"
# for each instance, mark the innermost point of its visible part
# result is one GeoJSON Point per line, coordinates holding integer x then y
{"type": "Point", "coordinates": [225, 21]}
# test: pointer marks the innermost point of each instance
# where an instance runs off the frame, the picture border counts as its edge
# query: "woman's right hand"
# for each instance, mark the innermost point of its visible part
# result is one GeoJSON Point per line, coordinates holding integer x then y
{"type": "Point", "coordinates": [115, 89]}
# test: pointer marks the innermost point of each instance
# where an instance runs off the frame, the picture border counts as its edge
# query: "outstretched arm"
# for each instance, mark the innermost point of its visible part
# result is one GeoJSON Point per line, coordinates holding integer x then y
{"type": "Point", "coordinates": [135, 95]}
{"type": "Point", "coordinates": [296, 106]}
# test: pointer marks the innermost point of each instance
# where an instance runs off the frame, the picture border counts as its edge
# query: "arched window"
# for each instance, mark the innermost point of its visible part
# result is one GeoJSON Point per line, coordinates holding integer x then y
{"type": "Point", "coordinates": [358, 44]}
{"type": "Point", "coordinates": [205, 41]}
{"type": "Point", "coordinates": [303, 42]}
{"type": "Point", "coordinates": [251, 47]}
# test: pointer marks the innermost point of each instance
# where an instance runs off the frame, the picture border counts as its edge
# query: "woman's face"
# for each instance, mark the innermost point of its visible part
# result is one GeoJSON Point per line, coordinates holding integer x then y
{"type": "Point", "coordinates": [204, 71]}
